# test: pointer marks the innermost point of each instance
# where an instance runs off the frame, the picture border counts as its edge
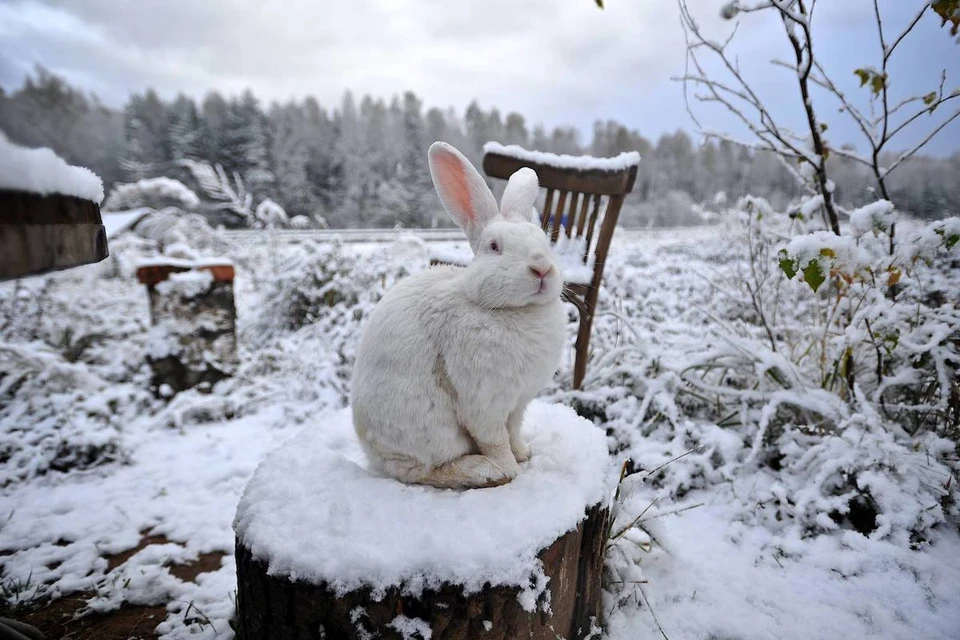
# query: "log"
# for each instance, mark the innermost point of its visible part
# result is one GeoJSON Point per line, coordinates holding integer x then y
{"type": "Point", "coordinates": [280, 608]}
{"type": "Point", "coordinates": [192, 340]}
{"type": "Point", "coordinates": [41, 233]}
{"type": "Point", "coordinates": [310, 567]}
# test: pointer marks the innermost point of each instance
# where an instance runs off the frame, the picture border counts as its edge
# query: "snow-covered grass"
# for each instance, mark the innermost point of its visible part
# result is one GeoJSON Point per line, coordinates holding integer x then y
{"type": "Point", "coordinates": [798, 514]}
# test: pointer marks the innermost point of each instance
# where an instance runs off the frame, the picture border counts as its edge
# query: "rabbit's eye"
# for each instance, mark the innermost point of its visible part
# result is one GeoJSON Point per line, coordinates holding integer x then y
{"type": "Point", "coordinates": [494, 246]}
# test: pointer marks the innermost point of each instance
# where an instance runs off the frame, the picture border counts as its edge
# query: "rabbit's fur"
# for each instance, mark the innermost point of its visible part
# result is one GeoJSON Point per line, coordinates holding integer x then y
{"type": "Point", "coordinates": [451, 356]}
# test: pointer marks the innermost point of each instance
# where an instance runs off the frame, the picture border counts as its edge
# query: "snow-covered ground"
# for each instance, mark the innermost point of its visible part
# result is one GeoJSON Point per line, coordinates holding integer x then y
{"type": "Point", "coordinates": [727, 547]}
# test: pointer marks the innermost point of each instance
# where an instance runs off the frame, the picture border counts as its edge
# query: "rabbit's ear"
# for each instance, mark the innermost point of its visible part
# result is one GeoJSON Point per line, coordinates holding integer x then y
{"type": "Point", "coordinates": [520, 194]}
{"type": "Point", "coordinates": [464, 194]}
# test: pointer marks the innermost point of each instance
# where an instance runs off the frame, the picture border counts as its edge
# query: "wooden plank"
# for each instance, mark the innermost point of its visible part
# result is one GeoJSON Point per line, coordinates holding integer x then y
{"type": "Point", "coordinates": [572, 214]}
{"type": "Point", "coordinates": [592, 181]}
{"type": "Point", "coordinates": [590, 227]}
{"type": "Point", "coordinates": [545, 218]}
{"type": "Point", "coordinates": [555, 227]}
{"type": "Point", "coordinates": [582, 218]}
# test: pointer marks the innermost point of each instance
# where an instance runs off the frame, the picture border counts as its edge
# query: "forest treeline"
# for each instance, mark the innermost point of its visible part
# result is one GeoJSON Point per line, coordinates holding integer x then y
{"type": "Point", "coordinates": [362, 163]}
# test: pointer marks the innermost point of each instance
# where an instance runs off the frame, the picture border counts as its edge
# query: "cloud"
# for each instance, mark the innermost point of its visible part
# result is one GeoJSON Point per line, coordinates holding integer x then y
{"type": "Point", "coordinates": [555, 61]}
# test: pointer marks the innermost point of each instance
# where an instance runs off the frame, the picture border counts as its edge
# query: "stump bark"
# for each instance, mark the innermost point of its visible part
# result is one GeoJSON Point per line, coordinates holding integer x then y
{"type": "Point", "coordinates": [275, 607]}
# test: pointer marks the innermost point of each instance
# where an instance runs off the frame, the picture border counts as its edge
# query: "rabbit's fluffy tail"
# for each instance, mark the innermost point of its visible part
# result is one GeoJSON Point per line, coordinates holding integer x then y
{"type": "Point", "coordinates": [466, 472]}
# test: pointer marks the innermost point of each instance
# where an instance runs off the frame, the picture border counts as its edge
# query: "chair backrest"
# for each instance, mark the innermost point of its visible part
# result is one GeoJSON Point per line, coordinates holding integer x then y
{"type": "Point", "coordinates": [577, 197]}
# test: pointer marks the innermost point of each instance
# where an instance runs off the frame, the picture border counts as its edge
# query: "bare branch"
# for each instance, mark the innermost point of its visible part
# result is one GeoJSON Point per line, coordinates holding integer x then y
{"type": "Point", "coordinates": [920, 144]}
{"type": "Point", "coordinates": [926, 109]}
{"type": "Point", "coordinates": [888, 51]}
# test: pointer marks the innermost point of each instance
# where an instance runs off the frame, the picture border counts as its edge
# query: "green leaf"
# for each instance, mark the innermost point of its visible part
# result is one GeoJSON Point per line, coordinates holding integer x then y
{"type": "Point", "coordinates": [599, 3]}
{"type": "Point", "coordinates": [930, 98]}
{"type": "Point", "coordinates": [827, 252]}
{"type": "Point", "coordinates": [823, 126]}
{"type": "Point", "coordinates": [878, 82]}
{"type": "Point", "coordinates": [813, 275]}
{"type": "Point", "coordinates": [787, 264]}
{"type": "Point", "coordinates": [863, 74]}
{"type": "Point", "coordinates": [948, 240]}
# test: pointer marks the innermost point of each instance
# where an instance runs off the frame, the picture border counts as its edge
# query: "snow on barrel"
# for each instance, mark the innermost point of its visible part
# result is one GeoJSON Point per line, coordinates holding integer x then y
{"type": "Point", "coordinates": [49, 213]}
{"type": "Point", "coordinates": [327, 547]}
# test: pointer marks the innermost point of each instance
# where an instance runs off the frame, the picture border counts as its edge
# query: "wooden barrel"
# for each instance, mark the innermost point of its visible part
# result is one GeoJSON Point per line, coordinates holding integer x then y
{"type": "Point", "coordinates": [41, 233]}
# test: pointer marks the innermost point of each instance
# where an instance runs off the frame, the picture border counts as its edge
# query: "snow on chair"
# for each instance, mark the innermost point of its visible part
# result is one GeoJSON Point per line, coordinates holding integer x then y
{"type": "Point", "coordinates": [580, 212]}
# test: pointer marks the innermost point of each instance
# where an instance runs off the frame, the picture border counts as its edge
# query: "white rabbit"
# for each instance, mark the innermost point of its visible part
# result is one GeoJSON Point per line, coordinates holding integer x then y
{"type": "Point", "coordinates": [451, 356]}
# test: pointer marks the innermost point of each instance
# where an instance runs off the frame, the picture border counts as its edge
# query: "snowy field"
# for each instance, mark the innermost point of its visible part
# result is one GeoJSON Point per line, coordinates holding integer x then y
{"type": "Point", "coordinates": [729, 545]}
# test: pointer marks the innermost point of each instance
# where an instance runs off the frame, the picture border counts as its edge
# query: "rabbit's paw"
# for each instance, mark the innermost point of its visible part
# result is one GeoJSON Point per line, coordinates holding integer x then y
{"type": "Point", "coordinates": [471, 472]}
{"type": "Point", "coordinates": [521, 450]}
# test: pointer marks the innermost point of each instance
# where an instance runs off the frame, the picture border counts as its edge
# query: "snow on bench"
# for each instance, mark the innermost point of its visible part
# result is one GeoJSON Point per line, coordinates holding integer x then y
{"type": "Point", "coordinates": [315, 515]}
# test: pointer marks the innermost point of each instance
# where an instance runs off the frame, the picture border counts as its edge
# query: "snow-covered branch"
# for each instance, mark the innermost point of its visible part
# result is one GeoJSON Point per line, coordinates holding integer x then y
{"type": "Point", "coordinates": [739, 98]}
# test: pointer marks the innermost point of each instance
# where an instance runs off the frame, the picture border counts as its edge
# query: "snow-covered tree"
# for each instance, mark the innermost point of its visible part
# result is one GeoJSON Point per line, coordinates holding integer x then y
{"type": "Point", "coordinates": [145, 132]}
{"type": "Point", "coordinates": [245, 142]}
{"type": "Point", "coordinates": [183, 129]}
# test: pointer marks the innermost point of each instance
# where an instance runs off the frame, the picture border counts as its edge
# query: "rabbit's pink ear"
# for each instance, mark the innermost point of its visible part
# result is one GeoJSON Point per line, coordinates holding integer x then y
{"type": "Point", "coordinates": [520, 194]}
{"type": "Point", "coordinates": [462, 190]}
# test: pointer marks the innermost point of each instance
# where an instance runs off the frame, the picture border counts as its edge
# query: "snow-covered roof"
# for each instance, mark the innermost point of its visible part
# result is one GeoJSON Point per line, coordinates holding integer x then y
{"type": "Point", "coordinates": [117, 221]}
{"type": "Point", "coordinates": [563, 161]}
{"type": "Point", "coordinates": [315, 512]}
{"type": "Point", "coordinates": [44, 172]}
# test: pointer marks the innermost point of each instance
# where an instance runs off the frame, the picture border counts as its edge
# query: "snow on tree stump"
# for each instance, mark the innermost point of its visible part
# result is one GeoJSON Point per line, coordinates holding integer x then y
{"type": "Point", "coordinates": [192, 340]}
{"type": "Point", "coordinates": [328, 549]}
{"type": "Point", "coordinates": [41, 233]}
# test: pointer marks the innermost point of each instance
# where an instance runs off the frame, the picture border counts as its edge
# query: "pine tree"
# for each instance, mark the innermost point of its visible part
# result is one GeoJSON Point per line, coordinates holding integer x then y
{"type": "Point", "coordinates": [289, 155]}
{"type": "Point", "coordinates": [245, 143]}
{"type": "Point", "coordinates": [145, 133]}
{"type": "Point", "coordinates": [183, 129]}
{"type": "Point", "coordinates": [213, 118]}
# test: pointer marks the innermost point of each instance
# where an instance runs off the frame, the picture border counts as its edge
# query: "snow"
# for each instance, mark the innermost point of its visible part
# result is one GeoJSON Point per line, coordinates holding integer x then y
{"type": "Point", "coordinates": [876, 216]}
{"type": "Point", "coordinates": [93, 462]}
{"type": "Point", "coordinates": [200, 263]}
{"type": "Point", "coordinates": [714, 580]}
{"type": "Point", "coordinates": [42, 171]}
{"type": "Point", "coordinates": [563, 161]}
{"type": "Point", "coordinates": [186, 284]}
{"type": "Point", "coordinates": [149, 191]}
{"type": "Point", "coordinates": [314, 511]}
{"type": "Point", "coordinates": [412, 628]}
{"type": "Point", "coordinates": [116, 222]}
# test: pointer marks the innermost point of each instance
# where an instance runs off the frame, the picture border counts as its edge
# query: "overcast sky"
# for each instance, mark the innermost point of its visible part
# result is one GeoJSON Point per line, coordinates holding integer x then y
{"type": "Point", "coordinates": [555, 61]}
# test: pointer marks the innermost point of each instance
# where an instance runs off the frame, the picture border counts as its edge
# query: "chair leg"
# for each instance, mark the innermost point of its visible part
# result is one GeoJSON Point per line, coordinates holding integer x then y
{"type": "Point", "coordinates": [583, 339]}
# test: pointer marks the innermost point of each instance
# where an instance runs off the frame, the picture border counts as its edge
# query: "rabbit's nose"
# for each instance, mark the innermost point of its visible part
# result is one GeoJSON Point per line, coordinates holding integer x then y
{"type": "Point", "coordinates": [541, 272]}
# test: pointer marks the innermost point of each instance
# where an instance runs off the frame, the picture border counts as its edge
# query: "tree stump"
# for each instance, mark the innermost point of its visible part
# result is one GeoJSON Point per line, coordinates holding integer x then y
{"type": "Point", "coordinates": [41, 233]}
{"type": "Point", "coordinates": [192, 339]}
{"type": "Point", "coordinates": [327, 549]}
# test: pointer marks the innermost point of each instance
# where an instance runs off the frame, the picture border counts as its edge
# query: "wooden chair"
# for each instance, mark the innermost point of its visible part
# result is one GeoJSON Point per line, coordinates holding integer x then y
{"type": "Point", "coordinates": [577, 200]}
